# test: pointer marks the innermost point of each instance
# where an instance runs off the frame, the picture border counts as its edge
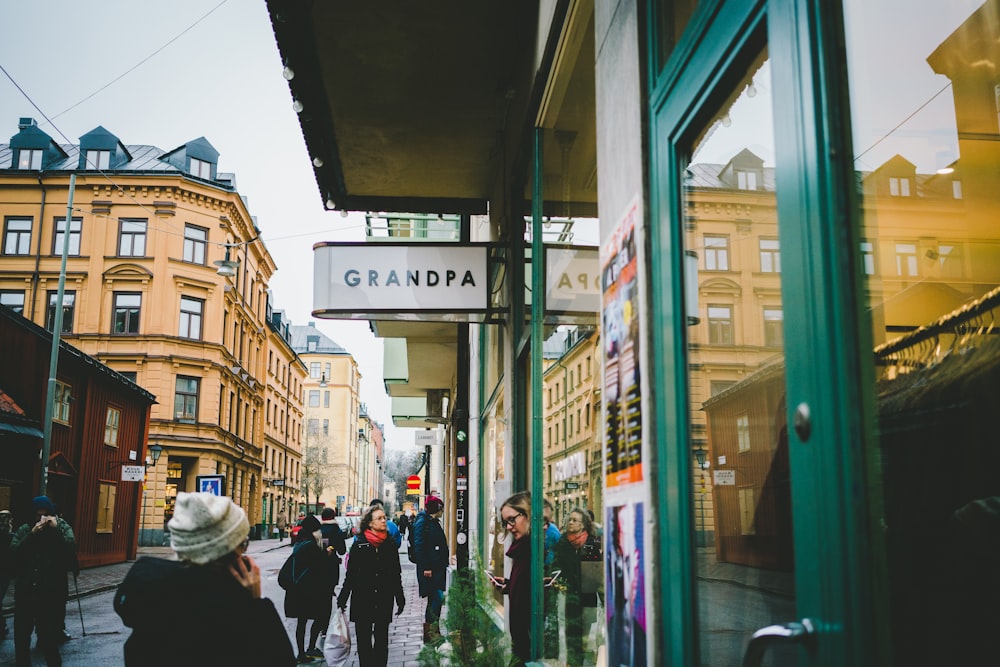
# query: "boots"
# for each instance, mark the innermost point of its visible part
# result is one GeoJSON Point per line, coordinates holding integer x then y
{"type": "Point", "coordinates": [432, 633]}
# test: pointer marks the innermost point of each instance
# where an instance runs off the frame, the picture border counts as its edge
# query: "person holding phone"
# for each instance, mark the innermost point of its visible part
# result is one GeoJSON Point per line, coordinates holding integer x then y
{"type": "Point", "coordinates": [44, 552]}
{"type": "Point", "coordinates": [515, 517]}
{"type": "Point", "coordinates": [200, 608]}
{"type": "Point", "coordinates": [373, 582]}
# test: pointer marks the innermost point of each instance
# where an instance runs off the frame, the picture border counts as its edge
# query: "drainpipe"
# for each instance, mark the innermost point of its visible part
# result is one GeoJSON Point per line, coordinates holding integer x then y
{"type": "Point", "coordinates": [537, 332]}
{"type": "Point", "coordinates": [38, 252]}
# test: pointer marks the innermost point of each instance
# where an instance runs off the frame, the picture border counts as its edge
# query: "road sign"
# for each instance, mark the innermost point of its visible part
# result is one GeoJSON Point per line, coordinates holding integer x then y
{"type": "Point", "coordinates": [572, 486]}
{"type": "Point", "coordinates": [413, 483]}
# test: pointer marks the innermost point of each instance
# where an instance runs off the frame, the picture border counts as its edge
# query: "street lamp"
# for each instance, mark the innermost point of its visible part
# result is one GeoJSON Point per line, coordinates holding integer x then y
{"type": "Point", "coordinates": [701, 455]}
{"type": "Point", "coordinates": [152, 456]}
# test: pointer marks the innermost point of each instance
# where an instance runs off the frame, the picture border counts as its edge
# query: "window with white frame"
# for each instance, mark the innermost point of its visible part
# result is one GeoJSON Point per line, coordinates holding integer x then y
{"type": "Point", "coordinates": [720, 325]}
{"type": "Point", "coordinates": [314, 370]}
{"type": "Point", "coordinates": [313, 398]}
{"type": "Point", "coordinates": [17, 236]}
{"type": "Point", "coordinates": [743, 433]}
{"type": "Point", "coordinates": [770, 256]}
{"type": "Point", "coordinates": [111, 425]}
{"type": "Point", "coordinates": [899, 187]}
{"type": "Point", "coordinates": [30, 158]}
{"type": "Point", "coordinates": [64, 394]}
{"type": "Point", "coordinates": [746, 180]}
{"type": "Point", "coordinates": [773, 323]}
{"type": "Point", "coordinates": [97, 160]}
{"type": "Point", "coordinates": [716, 253]}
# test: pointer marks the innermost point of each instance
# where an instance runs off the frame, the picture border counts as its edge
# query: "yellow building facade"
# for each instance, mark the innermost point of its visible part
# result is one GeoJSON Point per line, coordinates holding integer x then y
{"type": "Point", "coordinates": [165, 281]}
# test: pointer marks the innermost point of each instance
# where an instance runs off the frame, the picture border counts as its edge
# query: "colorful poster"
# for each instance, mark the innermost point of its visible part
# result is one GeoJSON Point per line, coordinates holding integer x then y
{"type": "Point", "coordinates": [620, 331]}
{"type": "Point", "coordinates": [626, 585]}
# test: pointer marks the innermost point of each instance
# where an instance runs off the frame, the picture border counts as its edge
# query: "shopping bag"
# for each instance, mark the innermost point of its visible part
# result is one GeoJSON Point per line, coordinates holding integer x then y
{"type": "Point", "coordinates": [337, 647]}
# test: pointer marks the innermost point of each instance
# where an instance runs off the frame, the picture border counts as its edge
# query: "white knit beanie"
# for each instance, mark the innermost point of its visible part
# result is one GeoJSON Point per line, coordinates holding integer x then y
{"type": "Point", "coordinates": [206, 527]}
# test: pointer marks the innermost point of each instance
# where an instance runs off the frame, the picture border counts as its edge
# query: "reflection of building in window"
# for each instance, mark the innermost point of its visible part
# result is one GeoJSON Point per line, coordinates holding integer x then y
{"type": "Point", "coordinates": [747, 505]}
{"type": "Point", "coordinates": [899, 187]}
{"type": "Point", "coordinates": [111, 426]}
{"type": "Point", "coordinates": [186, 399]}
{"type": "Point", "coordinates": [770, 256]}
{"type": "Point", "coordinates": [716, 253]}
{"type": "Point", "coordinates": [743, 433]}
{"type": "Point", "coordinates": [906, 259]}
{"type": "Point", "coordinates": [868, 257]}
{"type": "Point", "coordinates": [773, 325]}
{"type": "Point", "coordinates": [720, 325]}
{"type": "Point", "coordinates": [62, 399]}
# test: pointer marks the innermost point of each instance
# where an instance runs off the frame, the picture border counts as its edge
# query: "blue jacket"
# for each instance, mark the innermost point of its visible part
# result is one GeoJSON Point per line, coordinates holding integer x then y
{"type": "Point", "coordinates": [394, 532]}
{"type": "Point", "coordinates": [430, 553]}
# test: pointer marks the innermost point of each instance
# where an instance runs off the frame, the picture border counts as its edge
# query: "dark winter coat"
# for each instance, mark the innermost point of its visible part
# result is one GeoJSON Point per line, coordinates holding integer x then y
{"type": "Point", "coordinates": [518, 590]}
{"type": "Point", "coordinates": [431, 553]}
{"type": "Point", "coordinates": [41, 562]}
{"type": "Point", "coordinates": [307, 577]}
{"type": "Point", "coordinates": [336, 547]}
{"type": "Point", "coordinates": [184, 614]}
{"type": "Point", "coordinates": [570, 561]}
{"type": "Point", "coordinates": [373, 582]}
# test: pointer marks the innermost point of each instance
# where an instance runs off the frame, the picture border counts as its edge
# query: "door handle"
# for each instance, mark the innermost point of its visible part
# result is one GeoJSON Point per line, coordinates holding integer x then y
{"type": "Point", "coordinates": [803, 633]}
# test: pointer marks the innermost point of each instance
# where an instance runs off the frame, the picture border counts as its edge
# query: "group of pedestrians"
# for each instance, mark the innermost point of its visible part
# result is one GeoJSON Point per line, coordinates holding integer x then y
{"type": "Point", "coordinates": [207, 600]}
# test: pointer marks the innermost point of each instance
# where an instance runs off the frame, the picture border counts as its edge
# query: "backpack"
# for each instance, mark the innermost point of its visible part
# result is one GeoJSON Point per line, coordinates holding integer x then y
{"type": "Point", "coordinates": [411, 549]}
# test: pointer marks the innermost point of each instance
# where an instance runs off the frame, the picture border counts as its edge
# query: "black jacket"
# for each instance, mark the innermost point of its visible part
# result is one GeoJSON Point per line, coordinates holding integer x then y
{"type": "Point", "coordinates": [308, 579]}
{"type": "Point", "coordinates": [373, 581]}
{"type": "Point", "coordinates": [335, 540]}
{"type": "Point", "coordinates": [197, 615]}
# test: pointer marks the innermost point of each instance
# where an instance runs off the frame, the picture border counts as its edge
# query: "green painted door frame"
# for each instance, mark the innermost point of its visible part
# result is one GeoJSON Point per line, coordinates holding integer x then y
{"type": "Point", "coordinates": [828, 355]}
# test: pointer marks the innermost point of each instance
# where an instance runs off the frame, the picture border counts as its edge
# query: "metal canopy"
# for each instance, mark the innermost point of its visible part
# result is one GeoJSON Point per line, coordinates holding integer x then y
{"type": "Point", "coordinates": [404, 105]}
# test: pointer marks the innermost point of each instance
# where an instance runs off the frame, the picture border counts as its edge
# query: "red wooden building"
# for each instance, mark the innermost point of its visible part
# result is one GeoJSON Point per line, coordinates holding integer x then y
{"type": "Point", "coordinates": [100, 424]}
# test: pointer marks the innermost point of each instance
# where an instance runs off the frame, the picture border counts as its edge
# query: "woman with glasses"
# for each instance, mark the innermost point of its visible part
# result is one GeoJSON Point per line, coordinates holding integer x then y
{"type": "Point", "coordinates": [578, 557]}
{"type": "Point", "coordinates": [205, 608]}
{"type": "Point", "coordinates": [373, 582]}
{"type": "Point", "coordinates": [515, 516]}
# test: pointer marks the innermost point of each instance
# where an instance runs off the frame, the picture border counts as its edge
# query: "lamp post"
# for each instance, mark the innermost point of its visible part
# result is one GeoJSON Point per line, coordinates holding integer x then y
{"type": "Point", "coordinates": [153, 456]}
{"type": "Point", "coordinates": [700, 455]}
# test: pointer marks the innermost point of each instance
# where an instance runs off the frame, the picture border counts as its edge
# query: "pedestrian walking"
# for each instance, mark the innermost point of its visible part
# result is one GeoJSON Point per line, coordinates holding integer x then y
{"type": "Point", "coordinates": [205, 608]}
{"type": "Point", "coordinates": [430, 549]}
{"type": "Point", "coordinates": [373, 582]}
{"type": "Point", "coordinates": [44, 552]}
{"type": "Point", "coordinates": [282, 526]}
{"type": "Point", "coordinates": [6, 563]}
{"type": "Point", "coordinates": [307, 577]}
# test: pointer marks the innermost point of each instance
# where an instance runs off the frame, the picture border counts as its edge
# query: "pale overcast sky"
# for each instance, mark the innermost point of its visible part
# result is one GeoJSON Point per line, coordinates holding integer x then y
{"type": "Point", "coordinates": [166, 73]}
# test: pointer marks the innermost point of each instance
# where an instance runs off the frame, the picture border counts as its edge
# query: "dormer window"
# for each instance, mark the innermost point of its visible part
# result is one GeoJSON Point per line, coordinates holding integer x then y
{"type": "Point", "coordinates": [30, 159]}
{"type": "Point", "coordinates": [201, 169]}
{"type": "Point", "coordinates": [98, 160]}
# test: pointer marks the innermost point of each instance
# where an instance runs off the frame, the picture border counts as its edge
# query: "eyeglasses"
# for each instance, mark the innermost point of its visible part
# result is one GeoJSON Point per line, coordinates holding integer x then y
{"type": "Point", "coordinates": [511, 520]}
{"type": "Point", "coordinates": [573, 519]}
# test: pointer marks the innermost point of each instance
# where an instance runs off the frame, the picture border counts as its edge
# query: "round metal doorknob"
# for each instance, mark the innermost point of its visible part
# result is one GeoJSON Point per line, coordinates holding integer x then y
{"type": "Point", "coordinates": [802, 421]}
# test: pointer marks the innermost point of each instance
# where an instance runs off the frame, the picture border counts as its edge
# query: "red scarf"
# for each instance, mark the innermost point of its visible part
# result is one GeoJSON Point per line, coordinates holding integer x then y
{"type": "Point", "coordinates": [577, 540]}
{"type": "Point", "coordinates": [374, 538]}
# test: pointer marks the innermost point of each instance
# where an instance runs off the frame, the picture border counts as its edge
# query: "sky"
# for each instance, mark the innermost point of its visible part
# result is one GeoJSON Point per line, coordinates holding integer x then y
{"type": "Point", "coordinates": [166, 73]}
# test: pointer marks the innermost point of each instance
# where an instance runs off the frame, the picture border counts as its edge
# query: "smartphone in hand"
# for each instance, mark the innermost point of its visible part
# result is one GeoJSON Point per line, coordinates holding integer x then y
{"type": "Point", "coordinates": [499, 583]}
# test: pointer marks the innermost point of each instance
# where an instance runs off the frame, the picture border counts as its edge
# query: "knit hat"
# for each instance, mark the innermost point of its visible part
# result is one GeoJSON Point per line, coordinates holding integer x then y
{"type": "Point", "coordinates": [433, 504]}
{"type": "Point", "coordinates": [43, 503]}
{"type": "Point", "coordinates": [206, 527]}
{"type": "Point", "coordinates": [309, 525]}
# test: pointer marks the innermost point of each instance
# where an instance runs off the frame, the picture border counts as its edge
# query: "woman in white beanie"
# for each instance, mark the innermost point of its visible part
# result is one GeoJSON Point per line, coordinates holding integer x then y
{"type": "Point", "coordinates": [206, 607]}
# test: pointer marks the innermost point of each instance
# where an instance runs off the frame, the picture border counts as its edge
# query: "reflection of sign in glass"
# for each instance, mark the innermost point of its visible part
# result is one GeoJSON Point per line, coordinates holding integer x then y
{"type": "Point", "coordinates": [724, 477]}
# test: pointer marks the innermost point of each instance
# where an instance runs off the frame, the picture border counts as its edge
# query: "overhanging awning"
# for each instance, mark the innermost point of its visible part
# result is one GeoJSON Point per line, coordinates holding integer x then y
{"type": "Point", "coordinates": [21, 429]}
